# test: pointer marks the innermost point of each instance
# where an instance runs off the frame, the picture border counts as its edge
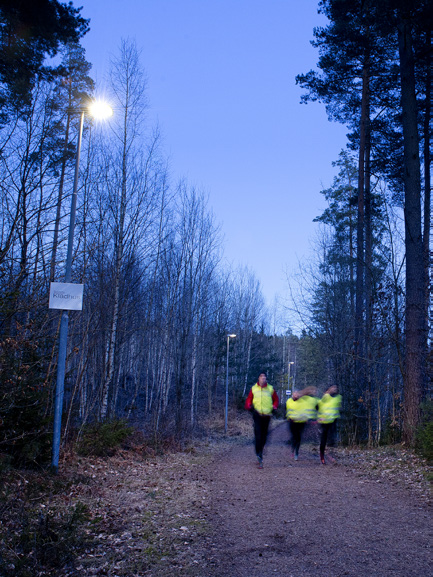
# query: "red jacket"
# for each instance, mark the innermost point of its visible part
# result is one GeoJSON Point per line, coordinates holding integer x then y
{"type": "Point", "coordinates": [249, 401]}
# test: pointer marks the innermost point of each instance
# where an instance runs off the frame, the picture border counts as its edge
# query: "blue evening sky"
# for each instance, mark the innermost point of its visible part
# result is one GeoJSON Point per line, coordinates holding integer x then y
{"type": "Point", "coordinates": [221, 84]}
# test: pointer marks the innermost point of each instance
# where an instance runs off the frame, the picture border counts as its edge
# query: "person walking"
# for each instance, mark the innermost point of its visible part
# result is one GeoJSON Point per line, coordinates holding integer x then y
{"type": "Point", "coordinates": [300, 408]}
{"type": "Point", "coordinates": [328, 412]}
{"type": "Point", "coordinates": [261, 400]}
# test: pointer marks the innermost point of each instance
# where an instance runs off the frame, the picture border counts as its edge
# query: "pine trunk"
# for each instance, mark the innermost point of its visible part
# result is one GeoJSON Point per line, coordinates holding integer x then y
{"type": "Point", "coordinates": [415, 286]}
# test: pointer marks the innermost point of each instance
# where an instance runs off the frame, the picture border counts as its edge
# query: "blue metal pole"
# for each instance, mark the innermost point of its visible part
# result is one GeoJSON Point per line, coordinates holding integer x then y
{"type": "Point", "coordinates": [227, 382]}
{"type": "Point", "coordinates": [227, 385]}
{"type": "Point", "coordinates": [63, 335]}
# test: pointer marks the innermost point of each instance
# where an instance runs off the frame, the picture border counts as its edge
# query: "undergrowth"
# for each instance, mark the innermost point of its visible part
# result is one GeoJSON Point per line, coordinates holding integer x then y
{"type": "Point", "coordinates": [38, 537]}
{"type": "Point", "coordinates": [424, 437]}
{"type": "Point", "coordinates": [102, 439]}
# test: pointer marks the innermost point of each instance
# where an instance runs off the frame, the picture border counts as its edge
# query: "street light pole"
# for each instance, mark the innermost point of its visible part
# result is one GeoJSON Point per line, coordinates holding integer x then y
{"type": "Point", "coordinates": [63, 334]}
{"type": "Point", "coordinates": [99, 110]}
{"type": "Point", "coordinates": [227, 382]}
{"type": "Point", "coordinates": [288, 376]}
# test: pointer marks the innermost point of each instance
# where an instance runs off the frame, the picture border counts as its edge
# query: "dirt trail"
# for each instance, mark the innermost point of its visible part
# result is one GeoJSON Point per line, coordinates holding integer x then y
{"type": "Point", "coordinates": [208, 511]}
{"type": "Point", "coordinates": [302, 518]}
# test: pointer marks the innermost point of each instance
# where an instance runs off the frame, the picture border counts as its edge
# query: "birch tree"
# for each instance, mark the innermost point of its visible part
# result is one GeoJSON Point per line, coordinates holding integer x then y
{"type": "Point", "coordinates": [131, 190]}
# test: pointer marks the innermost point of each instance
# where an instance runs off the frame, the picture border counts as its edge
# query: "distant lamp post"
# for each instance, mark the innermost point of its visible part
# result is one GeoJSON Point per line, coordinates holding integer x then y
{"type": "Point", "coordinates": [288, 377]}
{"type": "Point", "coordinates": [98, 110]}
{"type": "Point", "coordinates": [227, 382]}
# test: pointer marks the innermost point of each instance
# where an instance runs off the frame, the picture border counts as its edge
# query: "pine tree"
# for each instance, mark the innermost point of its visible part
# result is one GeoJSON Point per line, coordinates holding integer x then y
{"type": "Point", "coordinates": [369, 71]}
{"type": "Point", "coordinates": [31, 31]}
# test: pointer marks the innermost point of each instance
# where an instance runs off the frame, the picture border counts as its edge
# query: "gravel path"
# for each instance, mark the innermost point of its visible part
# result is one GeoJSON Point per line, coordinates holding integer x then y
{"type": "Point", "coordinates": [301, 518]}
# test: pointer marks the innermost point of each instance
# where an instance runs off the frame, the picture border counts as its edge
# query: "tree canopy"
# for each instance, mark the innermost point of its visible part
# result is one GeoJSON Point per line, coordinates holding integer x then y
{"type": "Point", "coordinates": [30, 32]}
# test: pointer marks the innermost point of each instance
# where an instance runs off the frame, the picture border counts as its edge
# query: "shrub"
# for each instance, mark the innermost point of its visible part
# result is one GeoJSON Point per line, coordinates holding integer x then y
{"type": "Point", "coordinates": [424, 437]}
{"type": "Point", "coordinates": [102, 439]}
{"type": "Point", "coordinates": [392, 433]}
{"type": "Point", "coordinates": [25, 428]}
{"type": "Point", "coordinates": [43, 543]}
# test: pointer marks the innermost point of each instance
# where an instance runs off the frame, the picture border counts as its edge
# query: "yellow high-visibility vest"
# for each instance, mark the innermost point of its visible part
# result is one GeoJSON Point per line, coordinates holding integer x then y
{"type": "Point", "coordinates": [329, 408]}
{"type": "Point", "coordinates": [301, 410]}
{"type": "Point", "coordinates": [262, 399]}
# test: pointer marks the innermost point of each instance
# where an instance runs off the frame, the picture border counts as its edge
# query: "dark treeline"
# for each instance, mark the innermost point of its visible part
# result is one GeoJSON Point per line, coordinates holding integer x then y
{"type": "Point", "coordinates": [372, 297]}
{"type": "Point", "coordinates": [150, 345]}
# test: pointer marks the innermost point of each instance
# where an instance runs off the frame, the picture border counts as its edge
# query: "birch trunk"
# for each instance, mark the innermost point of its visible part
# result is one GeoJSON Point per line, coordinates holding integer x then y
{"type": "Point", "coordinates": [193, 377]}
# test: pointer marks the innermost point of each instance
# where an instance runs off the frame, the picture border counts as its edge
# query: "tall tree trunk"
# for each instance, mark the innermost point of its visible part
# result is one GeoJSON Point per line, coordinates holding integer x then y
{"type": "Point", "coordinates": [415, 285]}
{"type": "Point", "coordinates": [428, 259]}
{"type": "Point", "coordinates": [247, 369]}
{"type": "Point", "coordinates": [181, 373]}
{"type": "Point", "coordinates": [368, 286]}
{"type": "Point", "coordinates": [119, 255]}
{"type": "Point", "coordinates": [110, 358]}
{"type": "Point", "coordinates": [193, 376]}
{"type": "Point", "coordinates": [60, 196]}
{"type": "Point", "coordinates": [360, 239]}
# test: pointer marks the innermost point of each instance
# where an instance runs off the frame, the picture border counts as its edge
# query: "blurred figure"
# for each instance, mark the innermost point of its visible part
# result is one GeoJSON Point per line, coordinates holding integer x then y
{"type": "Point", "coordinates": [328, 412]}
{"type": "Point", "coordinates": [261, 400]}
{"type": "Point", "coordinates": [300, 408]}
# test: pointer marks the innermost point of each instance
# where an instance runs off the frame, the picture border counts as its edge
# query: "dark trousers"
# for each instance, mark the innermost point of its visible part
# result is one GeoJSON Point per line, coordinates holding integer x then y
{"type": "Point", "coordinates": [296, 430]}
{"type": "Point", "coordinates": [261, 425]}
{"type": "Point", "coordinates": [326, 430]}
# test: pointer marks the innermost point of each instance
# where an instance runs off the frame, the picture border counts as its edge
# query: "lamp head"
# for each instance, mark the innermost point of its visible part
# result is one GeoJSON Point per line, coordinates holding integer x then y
{"type": "Point", "coordinates": [100, 109]}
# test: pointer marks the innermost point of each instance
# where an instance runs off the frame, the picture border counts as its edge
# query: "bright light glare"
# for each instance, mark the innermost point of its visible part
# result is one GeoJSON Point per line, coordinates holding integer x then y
{"type": "Point", "coordinates": [100, 110]}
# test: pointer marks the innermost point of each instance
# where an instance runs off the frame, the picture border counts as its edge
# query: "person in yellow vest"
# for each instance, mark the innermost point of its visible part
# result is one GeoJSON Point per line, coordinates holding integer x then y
{"type": "Point", "coordinates": [300, 408]}
{"type": "Point", "coordinates": [328, 412]}
{"type": "Point", "coordinates": [261, 400]}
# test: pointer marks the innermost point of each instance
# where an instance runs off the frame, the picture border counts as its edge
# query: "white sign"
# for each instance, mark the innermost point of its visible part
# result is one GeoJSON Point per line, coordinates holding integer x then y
{"type": "Point", "coordinates": [66, 296]}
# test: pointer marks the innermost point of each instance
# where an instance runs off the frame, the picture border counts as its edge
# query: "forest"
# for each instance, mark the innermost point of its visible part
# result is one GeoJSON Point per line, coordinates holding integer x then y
{"type": "Point", "coordinates": [151, 347]}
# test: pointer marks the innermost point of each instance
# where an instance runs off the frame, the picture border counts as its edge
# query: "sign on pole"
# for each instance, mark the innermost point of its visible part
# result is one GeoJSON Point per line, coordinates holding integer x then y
{"type": "Point", "coordinates": [66, 296]}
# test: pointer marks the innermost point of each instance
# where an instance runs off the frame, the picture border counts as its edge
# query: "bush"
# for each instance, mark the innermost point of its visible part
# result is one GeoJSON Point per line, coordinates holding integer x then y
{"type": "Point", "coordinates": [25, 428]}
{"type": "Point", "coordinates": [38, 537]}
{"type": "Point", "coordinates": [102, 439]}
{"type": "Point", "coordinates": [424, 437]}
{"type": "Point", "coordinates": [392, 433]}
